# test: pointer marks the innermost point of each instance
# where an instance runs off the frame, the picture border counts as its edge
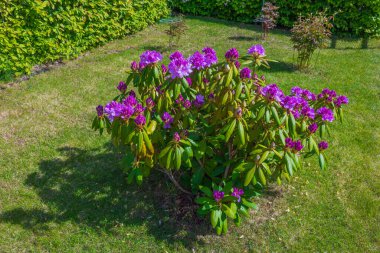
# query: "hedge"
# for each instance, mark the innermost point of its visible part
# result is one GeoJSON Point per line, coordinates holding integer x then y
{"type": "Point", "coordinates": [358, 17]}
{"type": "Point", "coordinates": [34, 31]}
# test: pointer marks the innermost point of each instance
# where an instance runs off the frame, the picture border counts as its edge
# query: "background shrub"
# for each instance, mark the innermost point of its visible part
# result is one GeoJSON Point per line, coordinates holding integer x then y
{"type": "Point", "coordinates": [358, 17]}
{"type": "Point", "coordinates": [35, 32]}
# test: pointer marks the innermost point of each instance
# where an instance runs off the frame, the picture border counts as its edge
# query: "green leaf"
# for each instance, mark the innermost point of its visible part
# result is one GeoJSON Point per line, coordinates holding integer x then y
{"type": "Point", "coordinates": [215, 217]}
{"type": "Point", "coordinates": [230, 130]}
{"type": "Point", "coordinates": [140, 142]}
{"type": "Point", "coordinates": [228, 211]}
{"type": "Point", "coordinates": [148, 143]}
{"type": "Point", "coordinates": [263, 157]}
{"type": "Point", "coordinates": [206, 190]}
{"type": "Point", "coordinates": [241, 133]}
{"type": "Point", "coordinates": [275, 115]}
{"type": "Point", "coordinates": [262, 176]}
{"type": "Point", "coordinates": [178, 158]}
{"type": "Point", "coordinates": [322, 162]}
{"type": "Point", "coordinates": [249, 176]}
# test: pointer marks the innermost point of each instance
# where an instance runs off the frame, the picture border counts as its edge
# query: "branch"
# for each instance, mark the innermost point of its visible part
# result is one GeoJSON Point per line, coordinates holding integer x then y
{"type": "Point", "coordinates": [230, 157]}
{"type": "Point", "coordinates": [171, 177]}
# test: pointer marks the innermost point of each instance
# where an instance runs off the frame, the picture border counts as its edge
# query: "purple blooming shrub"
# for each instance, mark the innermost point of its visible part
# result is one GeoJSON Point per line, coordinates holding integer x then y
{"type": "Point", "coordinates": [219, 132]}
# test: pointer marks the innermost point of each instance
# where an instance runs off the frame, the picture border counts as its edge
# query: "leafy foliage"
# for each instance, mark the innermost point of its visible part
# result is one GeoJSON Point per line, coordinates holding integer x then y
{"type": "Point", "coordinates": [35, 32]}
{"type": "Point", "coordinates": [219, 130]}
{"type": "Point", "coordinates": [308, 34]}
{"type": "Point", "coordinates": [359, 17]}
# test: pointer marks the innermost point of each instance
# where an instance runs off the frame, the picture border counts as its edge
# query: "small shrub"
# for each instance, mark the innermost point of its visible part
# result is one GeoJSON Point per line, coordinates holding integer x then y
{"type": "Point", "coordinates": [177, 29]}
{"type": "Point", "coordinates": [308, 34]}
{"type": "Point", "coordinates": [224, 132]}
{"type": "Point", "coordinates": [269, 17]}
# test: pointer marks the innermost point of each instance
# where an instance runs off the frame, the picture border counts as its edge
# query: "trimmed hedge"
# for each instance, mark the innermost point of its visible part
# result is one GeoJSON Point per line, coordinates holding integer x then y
{"type": "Point", "coordinates": [358, 17]}
{"type": "Point", "coordinates": [35, 31]}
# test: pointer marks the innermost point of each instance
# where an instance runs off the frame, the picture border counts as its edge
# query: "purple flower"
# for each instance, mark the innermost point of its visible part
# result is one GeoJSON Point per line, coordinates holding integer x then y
{"type": "Point", "coordinates": [257, 50]}
{"type": "Point", "coordinates": [150, 57]}
{"type": "Point", "coordinates": [122, 87]}
{"type": "Point", "coordinates": [134, 66]}
{"type": "Point", "coordinates": [197, 61]}
{"type": "Point", "coordinates": [272, 92]}
{"type": "Point", "coordinates": [176, 137]}
{"type": "Point", "coordinates": [179, 68]}
{"type": "Point", "coordinates": [139, 109]}
{"type": "Point", "coordinates": [237, 64]}
{"type": "Point", "coordinates": [179, 100]}
{"type": "Point", "coordinates": [308, 95]}
{"type": "Point", "coordinates": [130, 100]}
{"type": "Point", "coordinates": [289, 143]}
{"type": "Point", "coordinates": [199, 100]}
{"type": "Point", "coordinates": [308, 112]}
{"type": "Point", "coordinates": [140, 120]}
{"type": "Point", "coordinates": [239, 112]}
{"type": "Point", "coordinates": [218, 195]}
{"type": "Point", "coordinates": [167, 119]}
{"type": "Point", "coordinates": [210, 56]}
{"type": "Point", "coordinates": [187, 104]}
{"type": "Point", "coordinates": [327, 94]}
{"type": "Point", "coordinates": [126, 112]}
{"type": "Point", "coordinates": [189, 81]}
{"type": "Point", "coordinates": [164, 68]}
{"type": "Point", "coordinates": [237, 193]}
{"type": "Point", "coordinates": [297, 91]}
{"type": "Point", "coordinates": [326, 114]}
{"type": "Point", "coordinates": [232, 55]}
{"type": "Point", "coordinates": [132, 93]}
{"type": "Point", "coordinates": [142, 65]}
{"type": "Point", "coordinates": [113, 110]}
{"type": "Point", "coordinates": [288, 102]}
{"type": "Point", "coordinates": [245, 73]}
{"type": "Point", "coordinates": [176, 55]}
{"type": "Point", "coordinates": [297, 146]}
{"type": "Point", "coordinates": [149, 103]}
{"type": "Point", "coordinates": [323, 145]}
{"type": "Point", "coordinates": [313, 128]}
{"type": "Point", "coordinates": [211, 96]}
{"type": "Point", "coordinates": [341, 100]}
{"type": "Point", "coordinates": [205, 80]}
{"type": "Point", "coordinates": [99, 110]}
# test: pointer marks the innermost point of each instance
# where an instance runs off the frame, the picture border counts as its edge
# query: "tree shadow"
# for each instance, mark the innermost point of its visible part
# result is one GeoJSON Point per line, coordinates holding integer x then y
{"type": "Point", "coordinates": [280, 66]}
{"type": "Point", "coordinates": [87, 187]}
{"type": "Point", "coordinates": [244, 38]}
{"type": "Point", "coordinates": [162, 49]}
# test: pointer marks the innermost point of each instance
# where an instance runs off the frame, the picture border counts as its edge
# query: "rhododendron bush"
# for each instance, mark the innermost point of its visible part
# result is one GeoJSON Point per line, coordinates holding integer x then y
{"type": "Point", "coordinates": [217, 130]}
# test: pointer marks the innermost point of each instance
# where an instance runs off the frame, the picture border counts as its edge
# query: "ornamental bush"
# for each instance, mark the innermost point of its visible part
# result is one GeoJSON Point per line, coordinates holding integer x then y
{"type": "Point", "coordinates": [34, 32]}
{"type": "Point", "coordinates": [358, 17]}
{"type": "Point", "coordinates": [217, 130]}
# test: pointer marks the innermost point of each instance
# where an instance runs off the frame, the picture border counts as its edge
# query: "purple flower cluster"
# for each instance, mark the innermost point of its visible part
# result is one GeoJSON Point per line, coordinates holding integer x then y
{"type": "Point", "coordinates": [313, 128]}
{"type": "Point", "coordinates": [323, 145]}
{"type": "Point", "coordinates": [176, 137]}
{"type": "Point", "coordinates": [306, 94]}
{"type": "Point", "coordinates": [197, 60]}
{"type": "Point", "coordinates": [140, 120]}
{"type": "Point", "coordinates": [124, 110]}
{"type": "Point", "coordinates": [99, 110]}
{"type": "Point", "coordinates": [245, 73]}
{"type": "Point", "coordinates": [167, 119]}
{"type": "Point", "coordinates": [296, 146]}
{"type": "Point", "coordinates": [237, 64]}
{"type": "Point", "coordinates": [237, 193]}
{"type": "Point", "coordinates": [210, 56]}
{"type": "Point", "coordinates": [164, 68]}
{"type": "Point", "coordinates": [326, 114]}
{"type": "Point", "coordinates": [199, 100]}
{"type": "Point", "coordinates": [232, 55]}
{"type": "Point", "coordinates": [327, 95]}
{"type": "Point", "coordinates": [150, 57]}
{"type": "Point", "coordinates": [179, 67]}
{"type": "Point", "coordinates": [218, 195]}
{"type": "Point", "coordinates": [149, 103]}
{"type": "Point", "coordinates": [134, 66]}
{"type": "Point", "coordinates": [257, 50]}
{"type": "Point", "coordinates": [176, 55]}
{"type": "Point", "coordinates": [122, 87]}
{"type": "Point", "coordinates": [187, 104]}
{"type": "Point", "coordinates": [340, 101]}
{"type": "Point", "coordinates": [272, 92]}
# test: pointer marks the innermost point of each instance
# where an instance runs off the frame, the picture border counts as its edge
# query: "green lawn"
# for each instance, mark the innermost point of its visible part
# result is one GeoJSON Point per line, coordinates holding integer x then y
{"type": "Point", "coordinates": [61, 187]}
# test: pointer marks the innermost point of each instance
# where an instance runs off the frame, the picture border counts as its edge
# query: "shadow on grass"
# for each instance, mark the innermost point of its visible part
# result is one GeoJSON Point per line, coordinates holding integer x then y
{"type": "Point", "coordinates": [86, 187]}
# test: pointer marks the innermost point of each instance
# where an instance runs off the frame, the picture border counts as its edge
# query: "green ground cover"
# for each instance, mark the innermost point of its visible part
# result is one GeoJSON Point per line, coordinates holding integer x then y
{"type": "Point", "coordinates": [61, 188]}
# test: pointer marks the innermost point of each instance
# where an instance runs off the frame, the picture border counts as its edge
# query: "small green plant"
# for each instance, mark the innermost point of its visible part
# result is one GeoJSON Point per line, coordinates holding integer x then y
{"type": "Point", "coordinates": [309, 34]}
{"type": "Point", "coordinates": [224, 132]}
{"type": "Point", "coordinates": [177, 29]}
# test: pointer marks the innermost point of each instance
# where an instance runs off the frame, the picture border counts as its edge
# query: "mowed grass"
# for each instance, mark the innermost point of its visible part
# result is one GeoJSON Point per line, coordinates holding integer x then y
{"type": "Point", "coordinates": [62, 189]}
